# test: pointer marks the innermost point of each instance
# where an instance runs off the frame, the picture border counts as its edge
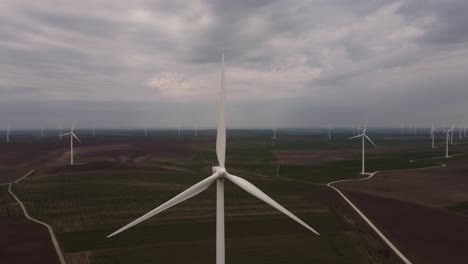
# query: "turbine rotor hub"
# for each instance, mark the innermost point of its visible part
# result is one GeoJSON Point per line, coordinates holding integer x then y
{"type": "Point", "coordinates": [221, 171]}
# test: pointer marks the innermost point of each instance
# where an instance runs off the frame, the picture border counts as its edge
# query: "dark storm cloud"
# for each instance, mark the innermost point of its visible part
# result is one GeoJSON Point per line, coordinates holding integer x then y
{"type": "Point", "coordinates": [288, 63]}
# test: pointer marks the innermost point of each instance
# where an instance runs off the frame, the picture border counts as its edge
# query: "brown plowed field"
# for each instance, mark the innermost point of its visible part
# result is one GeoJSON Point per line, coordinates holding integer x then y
{"type": "Point", "coordinates": [409, 207]}
{"type": "Point", "coordinates": [25, 242]}
{"type": "Point", "coordinates": [424, 235]}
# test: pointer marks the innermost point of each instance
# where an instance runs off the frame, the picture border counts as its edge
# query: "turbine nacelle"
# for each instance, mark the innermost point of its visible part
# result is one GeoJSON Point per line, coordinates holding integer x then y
{"type": "Point", "coordinates": [220, 171]}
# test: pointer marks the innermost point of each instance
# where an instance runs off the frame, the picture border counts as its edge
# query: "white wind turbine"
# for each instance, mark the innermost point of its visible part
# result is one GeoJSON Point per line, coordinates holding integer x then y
{"type": "Point", "coordinates": [451, 135]}
{"type": "Point", "coordinates": [219, 175]}
{"type": "Point", "coordinates": [60, 132]}
{"type": "Point", "coordinates": [274, 134]}
{"type": "Point", "coordinates": [447, 133]}
{"type": "Point", "coordinates": [8, 134]}
{"type": "Point", "coordinates": [364, 137]}
{"type": "Point", "coordinates": [433, 130]}
{"type": "Point", "coordinates": [72, 135]}
{"type": "Point", "coordinates": [329, 132]}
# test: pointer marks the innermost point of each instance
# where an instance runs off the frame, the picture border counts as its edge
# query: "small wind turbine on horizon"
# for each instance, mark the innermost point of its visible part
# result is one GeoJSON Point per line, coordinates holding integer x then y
{"type": "Point", "coordinates": [364, 137]}
{"type": "Point", "coordinates": [60, 132]}
{"type": "Point", "coordinates": [8, 134]}
{"type": "Point", "coordinates": [433, 130]}
{"type": "Point", "coordinates": [219, 176]}
{"type": "Point", "coordinates": [447, 133]}
{"type": "Point", "coordinates": [274, 134]}
{"type": "Point", "coordinates": [72, 135]}
{"type": "Point", "coordinates": [146, 132]}
{"type": "Point", "coordinates": [329, 132]}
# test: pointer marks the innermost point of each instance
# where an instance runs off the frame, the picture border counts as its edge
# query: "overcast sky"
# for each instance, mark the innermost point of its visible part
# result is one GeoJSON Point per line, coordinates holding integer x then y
{"type": "Point", "coordinates": [120, 63]}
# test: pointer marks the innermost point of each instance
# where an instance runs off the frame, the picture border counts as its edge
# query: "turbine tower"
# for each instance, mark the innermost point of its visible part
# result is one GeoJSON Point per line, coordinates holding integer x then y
{"type": "Point", "coordinates": [364, 137]}
{"type": "Point", "coordinates": [448, 133]}
{"type": "Point", "coordinates": [219, 175]}
{"type": "Point", "coordinates": [72, 135]}
{"type": "Point", "coordinates": [329, 132]}
{"type": "Point", "coordinates": [274, 134]}
{"type": "Point", "coordinates": [433, 130]}
{"type": "Point", "coordinates": [8, 134]}
{"type": "Point", "coordinates": [60, 132]}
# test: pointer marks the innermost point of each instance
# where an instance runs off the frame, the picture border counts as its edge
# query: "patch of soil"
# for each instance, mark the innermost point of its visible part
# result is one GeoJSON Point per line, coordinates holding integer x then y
{"type": "Point", "coordinates": [424, 235]}
{"type": "Point", "coordinates": [313, 157]}
{"type": "Point", "coordinates": [25, 242]}
{"type": "Point", "coordinates": [436, 187]}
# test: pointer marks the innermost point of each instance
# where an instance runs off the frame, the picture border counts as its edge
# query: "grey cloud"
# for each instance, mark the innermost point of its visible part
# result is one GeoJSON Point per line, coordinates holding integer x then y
{"type": "Point", "coordinates": [69, 59]}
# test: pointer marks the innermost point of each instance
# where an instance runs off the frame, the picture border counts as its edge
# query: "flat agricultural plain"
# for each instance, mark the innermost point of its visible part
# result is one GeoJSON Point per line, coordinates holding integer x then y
{"type": "Point", "coordinates": [121, 176]}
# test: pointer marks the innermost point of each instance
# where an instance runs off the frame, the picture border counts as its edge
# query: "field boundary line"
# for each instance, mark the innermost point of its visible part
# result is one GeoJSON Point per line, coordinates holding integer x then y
{"type": "Point", "coordinates": [367, 220]}
{"type": "Point", "coordinates": [26, 214]}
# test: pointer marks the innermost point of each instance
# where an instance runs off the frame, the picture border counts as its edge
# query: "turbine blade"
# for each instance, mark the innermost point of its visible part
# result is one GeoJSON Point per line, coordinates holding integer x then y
{"type": "Point", "coordinates": [64, 134]}
{"type": "Point", "coordinates": [221, 131]}
{"type": "Point", "coordinates": [189, 193]}
{"type": "Point", "coordinates": [358, 136]}
{"type": "Point", "coordinates": [250, 188]}
{"type": "Point", "coordinates": [76, 137]}
{"type": "Point", "coordinates": [73, 126]}
{"type": "Point", "coordinates": [370, 140]}
{"type": "Point", "coordinates": [365, 127]}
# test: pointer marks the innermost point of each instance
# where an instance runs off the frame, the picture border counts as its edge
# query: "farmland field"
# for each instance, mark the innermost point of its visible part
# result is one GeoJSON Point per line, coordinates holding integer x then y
{"type": "Point", "coordinates": [123, 177]}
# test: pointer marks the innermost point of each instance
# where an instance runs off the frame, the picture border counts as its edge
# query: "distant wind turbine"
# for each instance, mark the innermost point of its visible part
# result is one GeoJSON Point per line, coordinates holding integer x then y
{"type": "Point", "coordinates": [93, 132]}
{"type": "Point", "coordinates": [42, 131]}
{"type": "Point", "coordinates": [8, 134]}
{"type": "Point", "coordinates": [146, 132]}
{"type": "Point", "coordinates": [274, 134]}
{"type": "Point", "coordinates": [433, 130]}
{"type": "Point", "coordinates": [60, 132]}
{"type": "Point", "coordinates": [451, 135]}
{"type": "Point", "coordinates": [448, 133]}
{"type": "Point", "coordinates": [329, 132]}
{"type": "Point", "coordinates": [196, 131]}
{"type": "Point", "coordinates": [219, 176]}
{"type": "Point", "coordinates": [72, 135]}
{"type": "Point", "coordinates": [364, 137]}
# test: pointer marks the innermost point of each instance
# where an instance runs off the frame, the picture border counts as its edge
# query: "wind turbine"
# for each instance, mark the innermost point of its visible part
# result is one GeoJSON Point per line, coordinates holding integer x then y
{"type": "Point", "coordinates": [329, 132]}
{"type": "Point", "coordinates": [60, 132]}
{"type": "Point", "coordinates": [354, 128]}
{"type": "Point", "coordinates": [364, 137]}
{"type": "Point", "coordinates": [219, 175]}
{"type": "Point", "coordinates": [433, 130]}
{"type": "Point", "coordinates": [451, 136]}
{"type": "Point", "coordinates": [93, 132]}
{"type": "Point", "coordinates": [274, 134]}
{"type": "Point", "coordinates": [72, 135]}
{"type": "Point", "coordinates": [146, 132]}
{"type": "Point", "coordinates": [42, 131]}
{"type": "Point", "coordinates": [8, 134]}
{"type": "Point", "coordinates": [448, 132]}
{"type": "Point", "coordinates": [196, 131]}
